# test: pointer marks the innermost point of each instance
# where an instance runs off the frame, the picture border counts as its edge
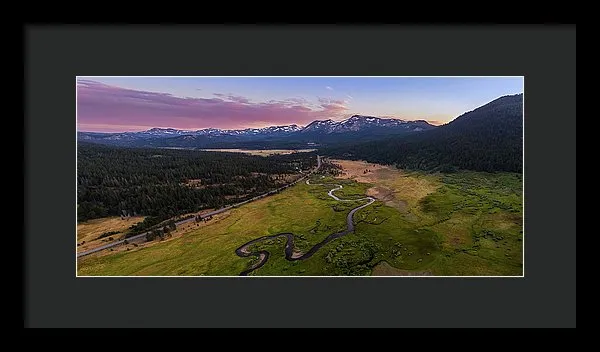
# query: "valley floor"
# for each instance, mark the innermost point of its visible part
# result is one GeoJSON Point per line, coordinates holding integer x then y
{"type": "Point", "coordinates": [261, 152]}
{"type": "Point", "coordinates": [465, 223]}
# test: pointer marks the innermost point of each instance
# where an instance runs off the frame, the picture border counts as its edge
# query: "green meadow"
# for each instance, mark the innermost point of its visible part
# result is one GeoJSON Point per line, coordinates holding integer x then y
{"type": "Point", "coordinates": [465, 223]}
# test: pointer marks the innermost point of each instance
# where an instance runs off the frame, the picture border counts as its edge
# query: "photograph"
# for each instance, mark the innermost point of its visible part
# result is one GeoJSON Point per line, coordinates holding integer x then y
{"type": "Point", "coordinates": [299, 176]}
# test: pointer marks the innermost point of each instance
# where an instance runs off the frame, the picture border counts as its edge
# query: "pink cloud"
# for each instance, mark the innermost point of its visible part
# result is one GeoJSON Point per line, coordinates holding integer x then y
{"type": "Point", "coordinates": [105, 107]}
{"type": "Point", "coordinates": [231, 97]}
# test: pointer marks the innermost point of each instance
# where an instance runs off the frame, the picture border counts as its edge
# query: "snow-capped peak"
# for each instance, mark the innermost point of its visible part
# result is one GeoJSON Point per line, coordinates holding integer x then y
{"type": "Point", "coordinates": [356, 123]}
{"type": "Point", "coordinates": [352, 123]}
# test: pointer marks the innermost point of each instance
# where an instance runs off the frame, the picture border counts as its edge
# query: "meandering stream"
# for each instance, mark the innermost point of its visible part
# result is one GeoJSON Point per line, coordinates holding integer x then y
{"type": "Point", "coordinates": [263, 255]}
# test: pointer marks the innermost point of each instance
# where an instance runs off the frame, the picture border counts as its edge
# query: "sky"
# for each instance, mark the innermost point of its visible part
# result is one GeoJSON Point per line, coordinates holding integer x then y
{"type": "Point", "coordinates": [118, 104]}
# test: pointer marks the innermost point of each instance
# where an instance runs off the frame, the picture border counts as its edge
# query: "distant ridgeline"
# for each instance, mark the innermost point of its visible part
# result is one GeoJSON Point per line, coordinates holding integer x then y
{"type": "Point", "coordinates": [162, 183]}
{"type": "Point", "coordinates": [317, 133]}
{"type": "Point", "coordinates": [489, 138]}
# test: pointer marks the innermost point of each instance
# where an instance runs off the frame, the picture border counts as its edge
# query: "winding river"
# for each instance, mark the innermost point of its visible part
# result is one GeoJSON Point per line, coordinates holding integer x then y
{"type": "Point", "coordinates": [290, 255]}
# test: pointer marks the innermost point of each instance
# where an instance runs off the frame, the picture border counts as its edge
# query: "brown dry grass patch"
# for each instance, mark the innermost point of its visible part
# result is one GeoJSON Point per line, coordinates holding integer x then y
{"type": "Point", "coordinates": [180, 231]}
{"type": "Point", "coordinates": [89, 230]}
{"type": "Point", "coordinates": [195, 182]}
{"type": "Point", "coordinates": [456, 231]}
{"type": "Point", "coordinates": [402, 189]}
{"type": "Point", "coordinates": [355, 170]}
{"type": "Point", "coordinates": [502, 221]}
{"type": "Point", "coordinates": [384, 269]}
{"type": "Point", "coordinates": [387, 196]}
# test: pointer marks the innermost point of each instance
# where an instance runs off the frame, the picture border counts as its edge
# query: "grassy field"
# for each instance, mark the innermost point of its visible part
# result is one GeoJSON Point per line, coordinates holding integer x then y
{"type": "Point", "coordinates": [89, 231]}
{"type": "Point", "coordinates": [465, 223]}
{"type": "Point", "coordinates": [470, 225]}
{"type": "Point", "coordinates": [480, 216]}
{"type": "Point", "coordinates": [210, 250]}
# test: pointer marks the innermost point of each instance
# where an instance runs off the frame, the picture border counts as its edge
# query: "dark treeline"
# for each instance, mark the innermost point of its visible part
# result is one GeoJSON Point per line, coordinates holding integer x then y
{"type": "Point", "coordinates": [330, 168]}
{"type": "Point", "coordinates": [489, 138]}
{"type": "Point", "coordinates": [162, 183]}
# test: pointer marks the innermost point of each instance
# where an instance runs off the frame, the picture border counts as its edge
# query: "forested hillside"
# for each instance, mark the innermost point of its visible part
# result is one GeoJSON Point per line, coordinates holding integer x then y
{"type": "Point", "coordinates": [489, 138]}
{"type": "Point", "coordinates": [162, 183]}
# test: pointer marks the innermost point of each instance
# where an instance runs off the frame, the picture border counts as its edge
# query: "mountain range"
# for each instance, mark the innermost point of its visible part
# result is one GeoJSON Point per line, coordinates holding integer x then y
{"type": "Point", "coordinates": [316, 133]}
{"type": "Point", "coordinates": [488, 138]}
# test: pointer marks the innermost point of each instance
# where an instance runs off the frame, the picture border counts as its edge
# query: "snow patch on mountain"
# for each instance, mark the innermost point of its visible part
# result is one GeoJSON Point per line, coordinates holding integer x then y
{"type": "Point", "coordinates": [352, 124]}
